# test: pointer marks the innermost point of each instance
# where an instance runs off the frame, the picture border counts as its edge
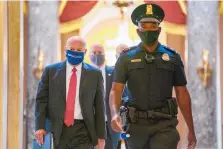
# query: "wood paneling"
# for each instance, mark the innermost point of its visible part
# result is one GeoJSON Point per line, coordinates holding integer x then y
{"type": "Point", "coordinates": [13, 132]}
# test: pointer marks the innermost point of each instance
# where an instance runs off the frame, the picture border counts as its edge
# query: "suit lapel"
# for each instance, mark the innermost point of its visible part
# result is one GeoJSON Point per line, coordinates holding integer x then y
{"type": "Point", "coordinates": [83, 80]}
{"type": "Point", "coordinates": [60, 76]}
{"type": "Point", "coordinates": [108, 78]}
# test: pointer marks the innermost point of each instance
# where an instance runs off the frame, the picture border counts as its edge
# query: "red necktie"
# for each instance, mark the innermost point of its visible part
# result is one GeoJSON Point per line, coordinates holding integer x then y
{"type": "Point", "coordinates": [70, 104]}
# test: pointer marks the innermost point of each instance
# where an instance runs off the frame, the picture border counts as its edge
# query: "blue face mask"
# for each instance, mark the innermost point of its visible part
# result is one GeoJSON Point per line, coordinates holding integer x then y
{"type": "Point", "coordinates": [74, 57]}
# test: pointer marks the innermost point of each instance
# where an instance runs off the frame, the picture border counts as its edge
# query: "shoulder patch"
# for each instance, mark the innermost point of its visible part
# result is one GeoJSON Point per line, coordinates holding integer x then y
{"type": "Point", "coordinates": [170, 49]}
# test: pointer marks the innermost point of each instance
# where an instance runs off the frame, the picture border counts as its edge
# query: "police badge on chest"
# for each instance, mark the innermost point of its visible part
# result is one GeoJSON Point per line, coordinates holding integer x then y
{"type": "Point", "coordinates": [165, 57]}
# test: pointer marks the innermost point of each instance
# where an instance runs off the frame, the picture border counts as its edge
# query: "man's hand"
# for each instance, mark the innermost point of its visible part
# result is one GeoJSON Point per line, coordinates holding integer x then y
{"type": "Point", "coordinates": [101, 144]}
{"type": "Point", "coordinates": [39, 134]}
{"type": "Point", "coordinates": [116, 123]}
{"type": "Point", "coordinates": [192, 141]}
{"type": "Point", "coordinates": [115, 103]}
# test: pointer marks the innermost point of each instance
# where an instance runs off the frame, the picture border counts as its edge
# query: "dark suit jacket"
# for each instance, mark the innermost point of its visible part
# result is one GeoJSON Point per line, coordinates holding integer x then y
{"type": "Point", "coordinates": [109, 79]}
{"type": "Point", "coordinates": [51, 100]}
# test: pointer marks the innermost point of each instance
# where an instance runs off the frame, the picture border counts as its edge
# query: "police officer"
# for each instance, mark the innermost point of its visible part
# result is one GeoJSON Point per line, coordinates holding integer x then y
{"type": "Point", "coordinates": [151, 71]}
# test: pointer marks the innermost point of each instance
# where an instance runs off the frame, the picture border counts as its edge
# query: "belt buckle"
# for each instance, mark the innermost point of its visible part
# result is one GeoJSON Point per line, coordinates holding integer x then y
{"type": "Point", "coordinates": [143, 114]}
{"type": "Point", "coordinates": [149, 115]}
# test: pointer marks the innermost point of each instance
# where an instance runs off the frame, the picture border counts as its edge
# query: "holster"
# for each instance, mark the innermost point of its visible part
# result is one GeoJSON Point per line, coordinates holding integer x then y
{"type": "Point", "coordinates": [124, 117]}
{"type": "Point", "coordinates": [172, 106]}
{"type": "Point", "coordinates": [132, 114]}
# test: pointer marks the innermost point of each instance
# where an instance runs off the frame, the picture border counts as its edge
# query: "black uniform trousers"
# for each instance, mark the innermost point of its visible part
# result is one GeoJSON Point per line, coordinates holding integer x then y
{"type": "Point", "coordinates": [148, 134]}
{"type": "Point", "coordinates": [75, 137]}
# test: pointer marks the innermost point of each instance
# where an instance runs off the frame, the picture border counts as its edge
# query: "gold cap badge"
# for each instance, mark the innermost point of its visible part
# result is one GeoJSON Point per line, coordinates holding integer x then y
{"type": "Point", "coordinates": [149, 9]}
{"type": "Point", "coordinates": [165, 57]}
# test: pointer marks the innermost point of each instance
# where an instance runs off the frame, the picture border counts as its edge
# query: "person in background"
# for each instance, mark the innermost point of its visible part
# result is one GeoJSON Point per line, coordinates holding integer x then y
{"type": "Point", "coordinates": [97, 59]}
{"type": "Point", "coordinates": [119, 49]}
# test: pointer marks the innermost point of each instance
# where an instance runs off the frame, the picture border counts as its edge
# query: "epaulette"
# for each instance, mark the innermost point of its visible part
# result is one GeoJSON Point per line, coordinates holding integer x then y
{"type": "Point", "coordinates": [129, 49]}
{"type": "Point", "coordinates": [170, 49]}
{"type": "Point", "coordinates": [177, 60]}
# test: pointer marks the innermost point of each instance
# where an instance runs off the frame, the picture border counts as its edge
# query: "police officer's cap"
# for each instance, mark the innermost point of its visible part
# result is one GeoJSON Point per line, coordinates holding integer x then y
{"type": "Point", "coordinates": [147, 13]}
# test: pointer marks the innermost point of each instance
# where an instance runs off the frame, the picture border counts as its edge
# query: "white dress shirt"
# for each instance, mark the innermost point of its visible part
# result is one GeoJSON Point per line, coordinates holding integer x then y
{"type": "Point", "coordinates": [77, 109]}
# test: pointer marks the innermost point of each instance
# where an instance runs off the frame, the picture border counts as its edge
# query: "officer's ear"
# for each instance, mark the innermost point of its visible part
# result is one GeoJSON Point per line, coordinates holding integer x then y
{"type": "Point", "coordinates": [160, 29]}
{"type": "Point", "coordinates": [138, 32]}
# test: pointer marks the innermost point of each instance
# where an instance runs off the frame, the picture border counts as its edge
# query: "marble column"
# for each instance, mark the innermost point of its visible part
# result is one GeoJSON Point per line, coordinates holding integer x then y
{"type": "Point", "coordinates": [221, 65]}
{"type": "Point", "coordinates": [203, 33]}
{"type": "Point", "coordinates": [43, 48]}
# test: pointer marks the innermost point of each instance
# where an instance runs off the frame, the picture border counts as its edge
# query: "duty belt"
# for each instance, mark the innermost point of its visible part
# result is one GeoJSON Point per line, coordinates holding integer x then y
{"type": "Point", "coordinates": [169, 111]}
{"type": "Point", "coordinates": [150, 114]}
{"type": "Point", "coordinates": [135, 114]}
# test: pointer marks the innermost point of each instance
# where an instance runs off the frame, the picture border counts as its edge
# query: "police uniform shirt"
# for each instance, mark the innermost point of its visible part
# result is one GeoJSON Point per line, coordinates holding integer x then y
{"type": "Point", "coordinates": [150, 83]}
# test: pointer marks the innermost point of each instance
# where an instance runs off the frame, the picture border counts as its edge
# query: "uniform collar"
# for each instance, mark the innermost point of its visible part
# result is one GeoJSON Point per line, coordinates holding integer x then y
{"type": "Point", "coordinates": [159, 49]}
{"type": "Point", "coordinates": [143, 49]}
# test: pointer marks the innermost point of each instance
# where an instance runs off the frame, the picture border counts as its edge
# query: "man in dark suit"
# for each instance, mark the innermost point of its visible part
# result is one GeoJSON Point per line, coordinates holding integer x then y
{"type": "Point", "coordinates": [70, 95]}
{"type": "Point", "coordinates": [97, 58]}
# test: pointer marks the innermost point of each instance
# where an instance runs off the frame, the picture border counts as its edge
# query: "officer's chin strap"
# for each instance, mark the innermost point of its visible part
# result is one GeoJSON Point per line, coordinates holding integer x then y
{"type": "Point", "coordinates": [149, 58]}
